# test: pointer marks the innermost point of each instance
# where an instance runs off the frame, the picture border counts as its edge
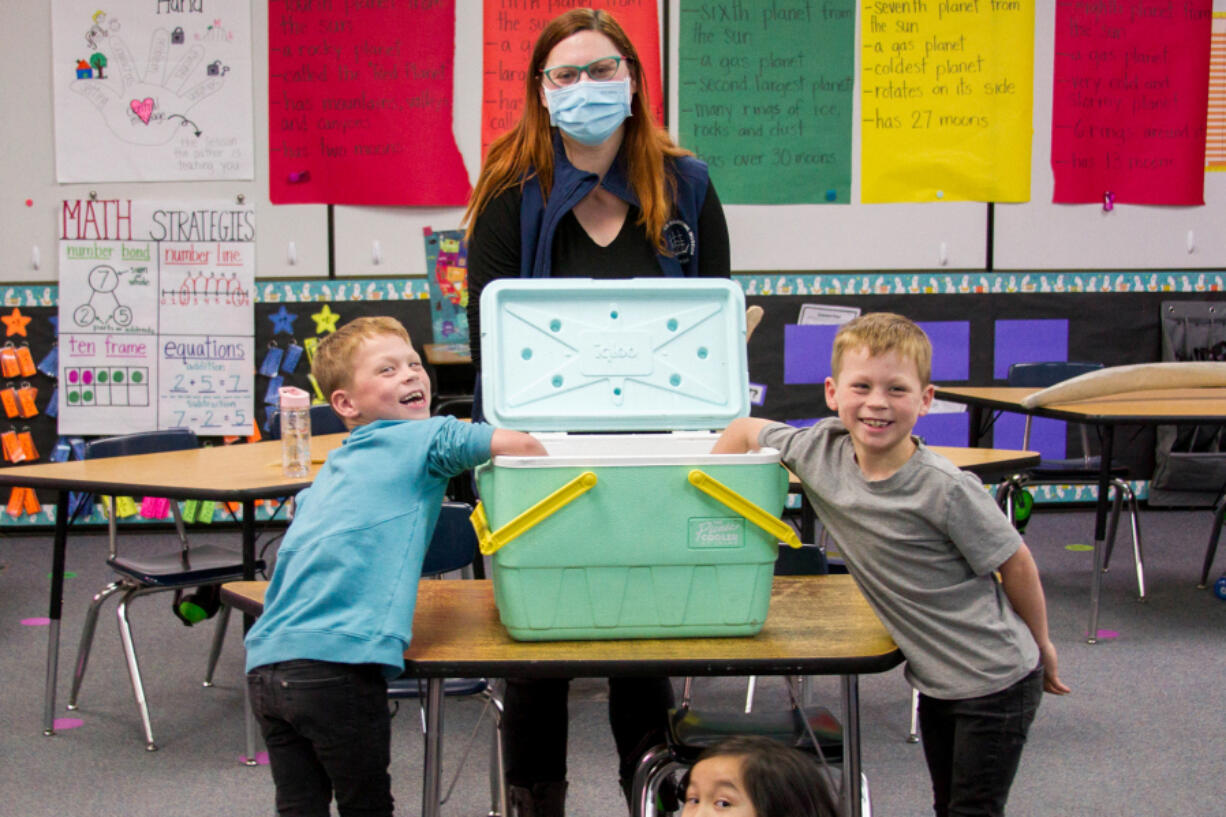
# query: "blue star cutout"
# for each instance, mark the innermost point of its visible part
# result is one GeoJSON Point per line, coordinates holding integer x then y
{"type": "Point", "coordinates": [55, 325]}
{"type": "Point", "coordinates": [283, 321]}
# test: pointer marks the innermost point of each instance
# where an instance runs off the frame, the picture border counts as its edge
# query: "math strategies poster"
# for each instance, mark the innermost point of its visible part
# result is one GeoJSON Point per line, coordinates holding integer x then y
{"type": "Point", "coordinates": [152, 91]}
{"type": "Point", "coordinates": [156, 319]}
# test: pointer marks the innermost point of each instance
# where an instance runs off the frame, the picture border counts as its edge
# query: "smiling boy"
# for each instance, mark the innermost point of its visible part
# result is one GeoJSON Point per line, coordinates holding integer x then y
{"type": "Point", "coordinates": [338, 611]}
{"type": "Point", "coordinates": [924, 542]}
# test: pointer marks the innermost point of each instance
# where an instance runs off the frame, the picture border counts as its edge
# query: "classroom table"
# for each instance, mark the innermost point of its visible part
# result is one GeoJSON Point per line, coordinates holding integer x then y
{"type": "Point", "coordinates": [817, 625]}
{"type": "Point", "coordinates": [1150, 407]}
{"type": "Point", "coordinates": [231, 473]}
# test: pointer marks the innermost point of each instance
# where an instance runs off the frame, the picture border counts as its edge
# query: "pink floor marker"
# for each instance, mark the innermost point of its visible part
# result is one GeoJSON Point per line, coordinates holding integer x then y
{"type": "Point", "coordinates": [67, 723]}
{"type": "Point", "coordinates": [261, 758]}
{"type": "Point", "coordinates": [39, 621]}
{"type": "Point", "coordinates": [1107, 634]}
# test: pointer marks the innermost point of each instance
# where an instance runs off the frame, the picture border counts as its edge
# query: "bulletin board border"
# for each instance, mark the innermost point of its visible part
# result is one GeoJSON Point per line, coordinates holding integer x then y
{"type": "Point", "coordinates": [288, 290]}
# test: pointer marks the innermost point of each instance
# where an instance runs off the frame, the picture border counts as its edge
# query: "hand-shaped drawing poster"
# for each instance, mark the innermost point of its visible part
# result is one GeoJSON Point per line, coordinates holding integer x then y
{"type": "Point", "coordinates": [156, 320]}
{"type": "Point", "coordinates": [152, 91]}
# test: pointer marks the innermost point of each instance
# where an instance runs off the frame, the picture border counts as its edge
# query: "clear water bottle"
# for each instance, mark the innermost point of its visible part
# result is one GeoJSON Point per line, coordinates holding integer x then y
{"type": "Point", "coordinates": [295, 432]}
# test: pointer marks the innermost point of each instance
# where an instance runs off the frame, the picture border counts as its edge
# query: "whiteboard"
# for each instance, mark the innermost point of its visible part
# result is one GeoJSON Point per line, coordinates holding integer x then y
{"type": "Point", "coordinates": [1042, 235]}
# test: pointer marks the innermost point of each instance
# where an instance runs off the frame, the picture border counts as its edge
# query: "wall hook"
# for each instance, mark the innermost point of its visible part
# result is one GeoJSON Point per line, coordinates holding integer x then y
{"type": "Point", "coordinates": [1191, 241]}
{"type": "Point", "coordinates": [943, 253]}
{"type": "Point", "coordinates": [35, 258]}
{"type": "Point", "coordinates": [292, 254]}
{"type": "Point", "coordinates": [376, 252]}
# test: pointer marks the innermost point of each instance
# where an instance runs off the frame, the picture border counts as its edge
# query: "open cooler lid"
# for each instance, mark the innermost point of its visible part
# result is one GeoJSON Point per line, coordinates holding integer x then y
{"type": "Point", "coordinates": [580, 354]}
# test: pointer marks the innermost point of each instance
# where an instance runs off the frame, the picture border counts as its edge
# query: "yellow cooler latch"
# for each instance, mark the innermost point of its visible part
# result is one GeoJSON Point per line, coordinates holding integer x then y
{"type": "Point", "coordinates": [738, 504]}
{"type": "Point", "coordinates": [491, 541]}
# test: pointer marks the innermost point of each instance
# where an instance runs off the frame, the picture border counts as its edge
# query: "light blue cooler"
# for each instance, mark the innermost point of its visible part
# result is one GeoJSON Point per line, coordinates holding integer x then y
{"type": "Point", "coordinates": [636, 532]}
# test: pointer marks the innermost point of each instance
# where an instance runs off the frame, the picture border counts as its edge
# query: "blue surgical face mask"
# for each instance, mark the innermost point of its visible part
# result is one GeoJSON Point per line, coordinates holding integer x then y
{"type": "Point", "coordinates": [589, 112]}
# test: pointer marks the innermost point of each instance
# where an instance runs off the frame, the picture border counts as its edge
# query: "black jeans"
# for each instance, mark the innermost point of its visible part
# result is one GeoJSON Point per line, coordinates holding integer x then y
{"type": "Point", "coordinates": [973, 746]}
{"type": "Point", "coordinates": [328, 731]}
{"type": "Point", "coordinates": [535, 723]}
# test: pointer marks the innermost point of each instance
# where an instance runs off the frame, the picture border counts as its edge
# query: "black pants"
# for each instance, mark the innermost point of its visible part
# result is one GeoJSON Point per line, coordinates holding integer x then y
{"type": "Point", "coordinates": [328, 733]}
{"type": "Point", "coordinates": [973, 746]}
{"type": "Point", "coordinates": [535, 725]}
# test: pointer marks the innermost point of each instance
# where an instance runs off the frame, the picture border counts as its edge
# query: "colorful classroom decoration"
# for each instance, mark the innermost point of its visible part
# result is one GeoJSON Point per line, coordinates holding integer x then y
{"type": "Point", "coordinates": [510, 30]}
{"type": "Point", "coordinates": [157, 316]}
{"type": "Point", "coordinates": [447, 266]}
{"type": "Point", "coordinates": [152, 91]}
{"type": "Point", "coordinates": [1129, 102]}
{"type": "Point", "coordinates": [766, 98]}
{"type": "Point", "coordinates": [325, 320]}
{"type": "Point", "coordinates": [360, 104]}
{"type": "Point", "coordinates": [946, 100]}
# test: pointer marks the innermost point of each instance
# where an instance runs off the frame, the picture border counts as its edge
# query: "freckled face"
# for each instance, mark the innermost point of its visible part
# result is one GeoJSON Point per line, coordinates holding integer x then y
{"type": "Point", "coordinates": [389, 383]}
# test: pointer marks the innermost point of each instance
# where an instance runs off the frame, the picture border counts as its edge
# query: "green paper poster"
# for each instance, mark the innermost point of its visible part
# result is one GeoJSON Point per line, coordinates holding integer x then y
{"type": "Point", "coordinates": [766, 98]}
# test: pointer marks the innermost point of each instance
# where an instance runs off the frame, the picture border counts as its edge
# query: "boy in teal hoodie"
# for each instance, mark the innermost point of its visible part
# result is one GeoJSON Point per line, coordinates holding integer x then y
{"type": "Point", "coordinates": [338, 612]}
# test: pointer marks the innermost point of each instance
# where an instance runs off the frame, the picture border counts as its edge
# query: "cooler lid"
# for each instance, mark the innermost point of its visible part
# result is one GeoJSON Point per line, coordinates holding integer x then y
{"type": "Point", "coordinates": [581, 354]}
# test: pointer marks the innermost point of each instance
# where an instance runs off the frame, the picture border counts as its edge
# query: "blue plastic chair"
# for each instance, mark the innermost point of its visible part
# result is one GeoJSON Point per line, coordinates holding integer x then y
{"type": "Point", "coordinates": [1083, 469]}
{"type": "Point", "coordinates": [454, 548]}
{"type": "Point", "coordinates": [141, 575]}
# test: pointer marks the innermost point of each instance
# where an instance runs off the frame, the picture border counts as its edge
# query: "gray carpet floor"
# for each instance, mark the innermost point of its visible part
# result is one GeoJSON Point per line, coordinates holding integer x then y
{"type": "Point", "coordinates": [1141, 734]}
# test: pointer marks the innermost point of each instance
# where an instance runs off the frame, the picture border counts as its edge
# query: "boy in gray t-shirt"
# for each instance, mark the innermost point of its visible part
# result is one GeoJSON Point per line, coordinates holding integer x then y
{"type": "Point", "coordinates": [924, 542]}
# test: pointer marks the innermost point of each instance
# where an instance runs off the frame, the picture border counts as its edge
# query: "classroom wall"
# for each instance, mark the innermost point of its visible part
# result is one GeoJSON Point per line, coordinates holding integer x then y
{"type": "Point", "coordinates": [295, 241]}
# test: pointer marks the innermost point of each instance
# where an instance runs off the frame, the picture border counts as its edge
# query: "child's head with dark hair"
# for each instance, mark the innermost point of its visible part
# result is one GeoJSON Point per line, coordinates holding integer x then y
{"type": "Point", "coordinates": [752, 776]}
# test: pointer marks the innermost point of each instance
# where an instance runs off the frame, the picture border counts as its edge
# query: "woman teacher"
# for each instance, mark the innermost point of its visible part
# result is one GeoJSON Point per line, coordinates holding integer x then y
{"type": "Point", "coordinates": [586, 185]}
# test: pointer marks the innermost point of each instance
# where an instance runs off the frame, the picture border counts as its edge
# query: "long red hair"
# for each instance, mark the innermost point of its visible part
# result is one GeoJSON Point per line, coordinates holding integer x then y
{"type": "Point", "coordinates": [528, 147]}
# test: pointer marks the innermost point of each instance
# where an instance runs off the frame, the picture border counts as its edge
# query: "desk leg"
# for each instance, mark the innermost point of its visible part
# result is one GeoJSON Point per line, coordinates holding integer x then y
{"type": "Point", "coordinates": [974, 426]}
{"type": "Point", "coordinates": [56, 608]}
{"type": "Point", "coordinates": [851, 746]}
{"type": "Point", "coordinates": [1100, 529]}
{"type": "Point", "coordinates": [432, 771]}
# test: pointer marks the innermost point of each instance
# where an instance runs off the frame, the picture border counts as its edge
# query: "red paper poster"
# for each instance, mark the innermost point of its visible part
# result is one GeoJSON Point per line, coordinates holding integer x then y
{"type": "Point", "coordinates": [360, 104]}
{"type": "Point", "coordinates": [511, 29]}
{"type": "Point", "coordinates": [1130, 90]}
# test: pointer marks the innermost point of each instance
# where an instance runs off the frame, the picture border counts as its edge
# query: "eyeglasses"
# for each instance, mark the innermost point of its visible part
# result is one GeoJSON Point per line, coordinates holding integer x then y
{"type": "Point", "coordinates": [601, 70]}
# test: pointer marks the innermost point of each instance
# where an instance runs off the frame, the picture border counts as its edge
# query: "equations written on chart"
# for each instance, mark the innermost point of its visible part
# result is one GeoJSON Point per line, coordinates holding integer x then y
{"type": "Point", "coordinates": [156, 321]}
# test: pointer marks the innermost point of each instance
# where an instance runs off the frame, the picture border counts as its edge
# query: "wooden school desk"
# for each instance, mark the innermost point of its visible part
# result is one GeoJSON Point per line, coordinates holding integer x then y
{"type": "Point", "coordinates": [232, 473]}
{"type": "Point", "coordinates": [1133, 408]}
{"type": "Point", "coordinates": [817, 625]}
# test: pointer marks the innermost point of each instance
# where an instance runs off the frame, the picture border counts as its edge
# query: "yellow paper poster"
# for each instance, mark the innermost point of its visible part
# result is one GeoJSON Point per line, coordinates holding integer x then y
{"type": "Point", "coordinates": [947, 97]}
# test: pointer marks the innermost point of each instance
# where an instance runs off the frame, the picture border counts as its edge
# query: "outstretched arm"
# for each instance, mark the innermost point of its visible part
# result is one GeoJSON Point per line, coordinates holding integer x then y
{"type": "Point", "coordinates": [740, 436]}
{"type": "Point", "coordinates": [515, 444]}
{"type": "Point", "coordinates": [1020, 578]}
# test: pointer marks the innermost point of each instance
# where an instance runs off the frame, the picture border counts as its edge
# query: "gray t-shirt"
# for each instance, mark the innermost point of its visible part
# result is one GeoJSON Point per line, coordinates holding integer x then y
{"type": "Point", "coordinates": [922, 545]}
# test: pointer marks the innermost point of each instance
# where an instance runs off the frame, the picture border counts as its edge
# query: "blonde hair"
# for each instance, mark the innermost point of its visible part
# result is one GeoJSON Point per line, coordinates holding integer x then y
{"type": "Point", "coordinates": [881, 333]}
{"type": "Point", "coordinates": [528, 147]}
{"type": "Point", "coordinates": [332, 365]}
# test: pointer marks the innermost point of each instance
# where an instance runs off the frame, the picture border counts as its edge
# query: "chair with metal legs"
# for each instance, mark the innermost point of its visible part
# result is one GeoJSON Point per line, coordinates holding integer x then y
{"type": "Point", "coordinates": [184, 568]}
{"type": "Point", "coordinates": [1074, 470]}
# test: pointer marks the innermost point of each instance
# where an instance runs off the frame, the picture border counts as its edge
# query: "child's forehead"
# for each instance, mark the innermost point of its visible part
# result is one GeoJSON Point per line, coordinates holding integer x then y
{"type": "Point", "coordinates": [385, 343]}
{"type": "Point", "coordinates": [898, 360]}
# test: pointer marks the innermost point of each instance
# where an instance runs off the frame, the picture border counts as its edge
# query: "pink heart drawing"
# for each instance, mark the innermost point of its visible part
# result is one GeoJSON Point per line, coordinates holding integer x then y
{"type": "Point", "coordinates": [143, 108]}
